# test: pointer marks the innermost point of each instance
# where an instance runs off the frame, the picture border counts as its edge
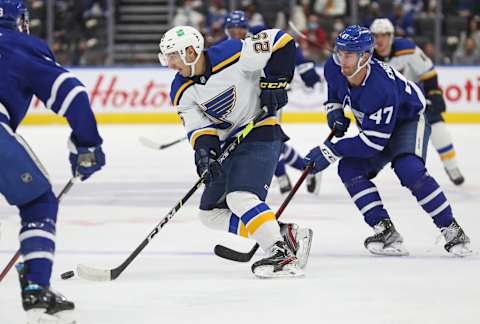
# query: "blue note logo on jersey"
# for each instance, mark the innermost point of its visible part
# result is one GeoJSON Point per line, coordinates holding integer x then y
{"type": "Point", "coordinates": [219, 107]}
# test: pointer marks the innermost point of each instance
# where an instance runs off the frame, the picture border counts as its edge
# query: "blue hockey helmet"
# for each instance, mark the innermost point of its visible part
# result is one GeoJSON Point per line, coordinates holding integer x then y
{"type": "Point", "coordinates": [354, 39]}
{"type": "Point", "coordinates": [236, 19]}
{"type": "Point", "coordinates": [14, 15]}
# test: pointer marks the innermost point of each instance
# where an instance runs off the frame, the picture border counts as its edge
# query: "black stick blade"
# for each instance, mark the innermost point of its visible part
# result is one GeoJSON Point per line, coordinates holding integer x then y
{"type": "Point", "coordinates": [229, 254]}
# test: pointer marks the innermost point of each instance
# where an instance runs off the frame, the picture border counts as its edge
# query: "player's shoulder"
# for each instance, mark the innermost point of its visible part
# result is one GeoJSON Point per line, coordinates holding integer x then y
{"type": "Point", "coordinates": [224, 53]}
{"type": "Point", "coordinates": [380, 82]}
{"type": "Point", "coordinates": [256, 29]}
{"type": "Point", "coordinates": [403, 46]}
{"type": "Point", "coordinates": [331, 70]}
{"type": "Point", "coordinates": [179, 85]}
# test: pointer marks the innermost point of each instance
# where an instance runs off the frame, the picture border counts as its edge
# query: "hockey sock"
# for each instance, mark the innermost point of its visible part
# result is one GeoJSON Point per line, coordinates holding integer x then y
{"type": "Point", "coordinates": [413, 175]}
{"type": "Point", "coordinates": [258, 218]}
{"type": "Point", "coordinates": [222, 219]}
{"type": "Point", "coordinates": [365, 195]}
{"type": "Point", "coordinates": [292, 158]}
{"type": "Point", "coordinates": [442, 141]}
{"type": "Point", "coordinates": [37, 237]}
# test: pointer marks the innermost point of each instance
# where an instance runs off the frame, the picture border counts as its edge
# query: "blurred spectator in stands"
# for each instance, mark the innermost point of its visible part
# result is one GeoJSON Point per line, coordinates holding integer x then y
{"type": "Point", "coordinates": [467, 53]}
{"type": "Point", "coordinates": [94, 8]}
{"type": "Point", "coordinates": [402, 21]}
{"type": "Point", "coordinates": [429, 50]}
{"type": "Point", "coordinates": [315, 46]}
{"type": "Point", "coordinates": [254, 17]}
{"type": "Point", "coordinates": [276, 13]}
{"type": "Point", "coordinates": [216, 13]}
{"type": "Point", "coordinates": [187, 15]}
{"type": "Point", "coordinates": [370, 12]}
{"type": "Point", "coordinates": [331, 8]}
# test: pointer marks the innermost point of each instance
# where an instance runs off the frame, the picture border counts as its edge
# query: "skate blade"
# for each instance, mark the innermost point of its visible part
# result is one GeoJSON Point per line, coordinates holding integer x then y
{"type": "Point", "coordinates": [461, 250]}
{"type": "Point", "coordinates": [38, 316]}
{"type": "Point", "coordinates": [305, 236]}
{"type": "Point", "coordinates": [392, 250]}
{"type": "Point", "coordinates": [266, 272]}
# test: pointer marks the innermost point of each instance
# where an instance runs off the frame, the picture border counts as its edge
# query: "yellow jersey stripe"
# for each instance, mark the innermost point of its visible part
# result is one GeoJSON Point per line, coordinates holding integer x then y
{"type": "Point", "coordinates": [405, 52]}
{"type": "Point", "coordinates": [447, 156]}
{"type": "Point", "coordinates": [270, 121]}
{"type": "Point", "coordinates": [180, 91]}
{"type": "Point", "coordinates": [201, 132]}
{"type": "Point", "coordinates": [282, 42]}
{"type": "Point", "coordinates": [259, 220]}
{"type": "Point", "coordinates": [428, 75]}
{"type": "Point", "coordinates": [220, 65]}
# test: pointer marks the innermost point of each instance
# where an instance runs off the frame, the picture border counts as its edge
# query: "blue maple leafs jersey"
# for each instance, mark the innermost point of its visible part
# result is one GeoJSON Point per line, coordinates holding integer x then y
{"type": "Point", "coordinates": [384, 99]}
{"type": "Point", "coordinates": [28, 68]}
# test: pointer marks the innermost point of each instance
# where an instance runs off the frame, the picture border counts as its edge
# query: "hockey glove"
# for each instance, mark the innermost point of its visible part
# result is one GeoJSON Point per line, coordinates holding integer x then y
{"type": "Point", "coordinates": [336, 119]}
{"type": "Point", "coordinates": [274, 93]}
{"type": "Point", "coordinates": [322, 156]}
{"type": "Point", "coordinates": [85, 161]}
{"type": "Point", "coordinates": [206, 161]}
{"type": "Point", "coordinates": [308, 74]}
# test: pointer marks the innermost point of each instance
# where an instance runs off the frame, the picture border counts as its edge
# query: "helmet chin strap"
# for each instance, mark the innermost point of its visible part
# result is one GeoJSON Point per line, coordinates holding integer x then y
{"type": "Point", "coordinates": [359, 67]}
{"type": "Point", "coordinates": [192, 64]}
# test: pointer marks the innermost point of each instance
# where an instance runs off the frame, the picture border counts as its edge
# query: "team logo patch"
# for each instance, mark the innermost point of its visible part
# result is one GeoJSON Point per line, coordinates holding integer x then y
{"type": "Point", "coordinates": [220, 106]}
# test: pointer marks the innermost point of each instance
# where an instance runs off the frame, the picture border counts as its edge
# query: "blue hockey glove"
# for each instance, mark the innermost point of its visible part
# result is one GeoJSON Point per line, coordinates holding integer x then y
{"type": "Point", "coordinates": [308, 74]}
{"type": "Point", "coordinates": [206, 161]}
{"type": "Point", "coordinates": [435, 102]}
{"type": "Point", "coordinates": [336, 119]}
{"type": "Point", "coordinates": [274, 93]}
{"type": "Point", "coordinates": [85, 161]}
{"type": "Point", "coordinates": [322, 156]}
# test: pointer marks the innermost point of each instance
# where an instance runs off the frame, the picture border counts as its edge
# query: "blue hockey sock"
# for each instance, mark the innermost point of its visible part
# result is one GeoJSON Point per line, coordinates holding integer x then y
{"type": "Point", "coordinates": [280, 170]}
{"type": "Point", "coordinates": [412, 173]}
{"type": "Point", "coordinates": [367, 199]}
{"type": "Point", "coordinates": [292, 158]}
{"type": "Point", "coordinates": [37, 237]}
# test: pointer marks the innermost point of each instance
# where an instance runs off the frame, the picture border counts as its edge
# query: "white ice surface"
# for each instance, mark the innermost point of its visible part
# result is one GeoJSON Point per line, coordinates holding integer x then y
{"type": "Point", "coordinates": [178, 279]}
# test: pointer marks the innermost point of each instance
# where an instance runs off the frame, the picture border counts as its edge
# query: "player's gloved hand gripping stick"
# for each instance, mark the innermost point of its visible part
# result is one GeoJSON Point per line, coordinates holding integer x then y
{"type": "Point", "coordinates": [230, 254]}
{"type": "Point", "coordinates": [95, 274]}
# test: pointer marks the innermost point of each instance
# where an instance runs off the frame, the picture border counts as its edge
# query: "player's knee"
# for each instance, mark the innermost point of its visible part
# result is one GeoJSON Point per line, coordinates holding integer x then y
{"type": "Point", "coordinates": [242, 201]}
{"type": "Point", "coordinates": [409, 169]}
{"type": "Point", "coordinates": [214, 218]}
{"type": "Point", "coordinates": [41, 209]}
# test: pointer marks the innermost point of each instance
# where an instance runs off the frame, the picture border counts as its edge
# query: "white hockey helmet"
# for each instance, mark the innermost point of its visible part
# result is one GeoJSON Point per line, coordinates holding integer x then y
{"type": "Point", "coordinates": [176, 40]}
{"type": "Point", "coordinates": [382, 26]}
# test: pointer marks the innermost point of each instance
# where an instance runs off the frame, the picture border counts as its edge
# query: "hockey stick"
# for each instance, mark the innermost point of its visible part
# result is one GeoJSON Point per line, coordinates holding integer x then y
{"type": "Point", "coordinates": [95, 274]}
{"type": "Point", "coordinates": [233, 255]}
{"type": "Point", "coordinates": [156, 146]}
{"type": "Point", "coordinates": [15, 257]}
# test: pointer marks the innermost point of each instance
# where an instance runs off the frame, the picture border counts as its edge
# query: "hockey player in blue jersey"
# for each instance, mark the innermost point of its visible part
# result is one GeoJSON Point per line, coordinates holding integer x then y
{"type": "Point", "coordinates": [28, 68]}
{"type": "Point", "coordinates": [237, 27]}
{"type": "Point", "coordinates": [407, 58]}
{"type": "Point", "coordinates": [390, 115]}
{"type": "Point", "coordinates": [217, 92]}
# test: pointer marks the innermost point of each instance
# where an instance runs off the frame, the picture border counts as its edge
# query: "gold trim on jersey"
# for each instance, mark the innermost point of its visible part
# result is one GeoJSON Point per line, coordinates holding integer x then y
{"type": "Point", "coordinates": [200, 132]}
{"type": "Point", "coordinates": [428, 75]}
{"type": "Point", "coordinates": [281, 42]}
{"type": "Point", "coordinates": [220, 66]}
{"type": "Point", "coordinates": [180, 91]}
{"type": "Point", "coordinates": [404, 52]}
{"type": "Point", "coordinates": [269, 121]}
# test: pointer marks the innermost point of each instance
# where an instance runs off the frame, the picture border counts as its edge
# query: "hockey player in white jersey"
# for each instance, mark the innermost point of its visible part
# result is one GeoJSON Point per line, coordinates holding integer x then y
{"type": "Point", "coordinates": [217, 92]}
{"type": "Point", "coordinates": [409, 59]}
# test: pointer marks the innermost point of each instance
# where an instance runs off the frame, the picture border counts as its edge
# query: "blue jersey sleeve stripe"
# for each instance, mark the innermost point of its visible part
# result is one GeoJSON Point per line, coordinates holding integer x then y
{"type": "Point", "coordinates": [69, 99]}
{"type": "Point", "coordinates": [56, 86]}
{"type": "Point", "coordinates": [284, 40]}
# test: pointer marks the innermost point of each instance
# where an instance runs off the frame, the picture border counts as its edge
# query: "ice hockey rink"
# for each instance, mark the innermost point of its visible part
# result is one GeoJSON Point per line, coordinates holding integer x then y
{"type": "Point", "coordinates": [178, 279]}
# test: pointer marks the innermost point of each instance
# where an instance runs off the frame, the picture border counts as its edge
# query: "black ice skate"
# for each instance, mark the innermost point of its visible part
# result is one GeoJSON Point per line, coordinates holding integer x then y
{"type": "Point", "coordinates": [386, 241]}
{"type": "Point", "coordinates": [299, 240]}
{"type": "Point", "coordinates": [455, 176]}
{"type": "Point", "coordinates": [284, 183]}
{"type": "Point", "coordinates": [458, 243]}
{"type": "Point", "coordinates": [281, 263]}
{"type": "Point", "coordinates": [42, 304]}
{"type": "Point", "coordinates": [313, 183]}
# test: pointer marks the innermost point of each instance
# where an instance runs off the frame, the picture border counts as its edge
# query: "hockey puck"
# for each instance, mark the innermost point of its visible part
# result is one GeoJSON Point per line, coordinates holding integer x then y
{"type": "Point", "coordinates": [67, 275]}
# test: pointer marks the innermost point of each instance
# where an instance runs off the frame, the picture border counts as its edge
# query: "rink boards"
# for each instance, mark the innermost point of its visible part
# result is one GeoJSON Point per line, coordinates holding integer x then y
{"type": "Point", "coordinates": [141, 95]}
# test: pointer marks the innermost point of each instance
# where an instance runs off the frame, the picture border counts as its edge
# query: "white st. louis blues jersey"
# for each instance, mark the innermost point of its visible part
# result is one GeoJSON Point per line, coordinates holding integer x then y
{"type": "Point", "coordinates": [226, 98]}
{"type": "Point", "coordinates": [410, 60]}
